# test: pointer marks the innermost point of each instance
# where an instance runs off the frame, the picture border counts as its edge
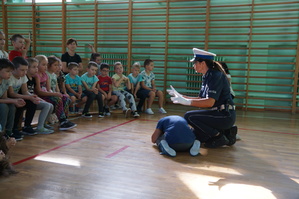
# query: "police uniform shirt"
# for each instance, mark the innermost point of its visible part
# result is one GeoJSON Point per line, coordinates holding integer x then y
{"type": "Point", "coordinates": [215, 85]}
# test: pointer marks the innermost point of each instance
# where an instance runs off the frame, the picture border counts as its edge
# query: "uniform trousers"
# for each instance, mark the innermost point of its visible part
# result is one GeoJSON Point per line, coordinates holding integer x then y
{"type": "Point", "coordinates": [207, 123]}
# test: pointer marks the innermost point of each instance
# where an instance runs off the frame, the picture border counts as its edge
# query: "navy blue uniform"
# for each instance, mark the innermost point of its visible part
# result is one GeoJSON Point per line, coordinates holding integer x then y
{"type": "Point", "coordinates": [207, 123]}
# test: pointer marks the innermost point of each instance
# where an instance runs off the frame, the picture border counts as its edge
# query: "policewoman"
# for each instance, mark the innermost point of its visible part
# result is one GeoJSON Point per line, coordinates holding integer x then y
{"type": "Point", "coordinates": [213, 122]}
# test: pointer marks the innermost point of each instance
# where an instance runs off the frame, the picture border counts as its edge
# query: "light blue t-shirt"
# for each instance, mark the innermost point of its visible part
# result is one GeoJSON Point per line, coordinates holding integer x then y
{"type": "Point", "coordinates": [176, 130]}
{"type": "Point", "coordinates": [74, 83]}
{"type": "Point", "coordinates": [147, 78]}
{"type": "Point", "coordinates": [134, 80]}
{"type": "Point", "coordinates": [89, 80]}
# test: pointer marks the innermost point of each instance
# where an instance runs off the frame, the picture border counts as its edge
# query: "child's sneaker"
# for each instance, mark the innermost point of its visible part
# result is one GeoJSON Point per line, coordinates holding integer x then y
{"type": "Point", "coordinates": [127, 112]}
{"type": "Point", "coordinates": [44, 131]}
{"type": "Point", "coordinates": [28, 130]}
{"type": "Point", "coordinates": [66, 125]}
{"type": "Point", "coordinates": [17, 135]}
{"type": "Point", "coordinates": [135, 114]}
{"type": "Point", "coordinates": [48, 127]}
{"type": "Point", "coordinates": [166, 149]}
{"type": "Point", "coordinates": [194, 150]}
{"type": "Point", "coordinates": [101, 115]}
{"type": "Point", "coordinates": [86, 115]}
{"type": "Point", "coordinates": [162, 110]}
{"type": "Point", "coordinates": [149, 111]}
{"type": "Point", "coordinates": [107, 111]}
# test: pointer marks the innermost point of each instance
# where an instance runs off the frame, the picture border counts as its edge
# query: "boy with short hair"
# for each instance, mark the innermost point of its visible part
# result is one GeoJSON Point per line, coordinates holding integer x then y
{"type": "Point", "coordinates": [105, 87]}
{"type": "Point", "coordinates": [21, 46]}
{"type": "Point", "coordinates": [135, 79]}
{"type": "Point", "coordinates": [73, 85]}
{"type": "Point", "coordinates": [119, 83]}
{"type": "Point", "coordinates": [18, 89]}
{"type": "Point", "coordinates": [148, 87]}
{"type": "Point", "coordinates": [89, 81]}
{"type": "Point", "coordinates": [7, 105]}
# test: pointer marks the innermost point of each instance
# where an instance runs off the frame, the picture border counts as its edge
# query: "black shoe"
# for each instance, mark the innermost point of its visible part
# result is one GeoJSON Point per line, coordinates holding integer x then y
{"type": "Point", "coordinates": [28, 130]}
{"type": "Point", "coordinates": [217, 141]}
{"type": "Point", "coordinates": [86, 115]}
{"type": "Point", "coordinates": [17, 135]}
{"type": "Point", "coordinates": [66, 125]}
{"type": "Point", "coordinates": [231, 135]}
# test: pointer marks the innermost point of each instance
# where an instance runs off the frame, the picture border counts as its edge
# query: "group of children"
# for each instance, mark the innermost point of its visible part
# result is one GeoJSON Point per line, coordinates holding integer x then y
{"type": "Point", "coordinates": [54, 87]}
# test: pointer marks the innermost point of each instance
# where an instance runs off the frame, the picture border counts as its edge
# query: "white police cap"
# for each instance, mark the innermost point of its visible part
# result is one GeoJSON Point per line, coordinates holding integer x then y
{"type": "Point", "coordinates": [198, 53]}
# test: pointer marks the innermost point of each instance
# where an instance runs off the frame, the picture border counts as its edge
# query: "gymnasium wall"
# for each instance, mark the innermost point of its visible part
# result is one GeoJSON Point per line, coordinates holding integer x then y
{"type": "Point", "coordinates": [258, 39]}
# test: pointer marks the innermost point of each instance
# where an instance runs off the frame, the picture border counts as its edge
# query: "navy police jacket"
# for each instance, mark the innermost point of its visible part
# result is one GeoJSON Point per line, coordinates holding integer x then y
{"type": "Point", "coordinates": [215, 85]}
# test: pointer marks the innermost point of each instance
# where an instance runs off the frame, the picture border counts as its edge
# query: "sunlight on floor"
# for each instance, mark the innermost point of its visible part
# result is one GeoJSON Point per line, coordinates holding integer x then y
{"type": "Point", "coordinates": [216, 169]}
{"type": "Point", "coordinates": [295, 180]}
{"type": "Point", "coordinates": [59, 160]}
{"type": "Point", "coordinates": [210, 187]}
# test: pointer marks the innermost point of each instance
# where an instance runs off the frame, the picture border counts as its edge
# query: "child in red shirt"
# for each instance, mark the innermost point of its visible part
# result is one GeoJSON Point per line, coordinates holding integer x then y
{"type": "Point", "coordinates": [105, 87]}
{"type": "Point", "coordinates": [21, 46]}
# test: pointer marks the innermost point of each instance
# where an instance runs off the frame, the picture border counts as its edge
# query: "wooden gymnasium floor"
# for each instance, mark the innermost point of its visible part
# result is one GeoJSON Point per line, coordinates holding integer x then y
{"type": "Point", "coordinates": [113, 157]}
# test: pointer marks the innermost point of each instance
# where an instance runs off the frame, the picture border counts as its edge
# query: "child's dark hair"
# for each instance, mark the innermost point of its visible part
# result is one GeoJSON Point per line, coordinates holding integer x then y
{"type": "Point", "coordinates": [5, 63]}
{"type": "Point", "coordinates": [147, 62]}
{"type": "Point", "coordinates": [16, 36]}
{"type": "Point", "coordinates": [18, 61]}
{"type": "Point", "coordinates": [71, 40]}
{"type": "Point", "coordinates": [92, 63]}
{"type": "Point", "coordinates": [6, 168]}
{"type": "Point", "coordinates": [104, 65]}
{"type": "Point", "coordinates": [72, 65]}
{"type": "Point", "coordinates": [225, 68]}
{"type": "Point", "coordinates": [52, 60]}
{"type": "Point", "coordinates": [94, 56]}
{"type": "Point", "coordinates": [31, 60]}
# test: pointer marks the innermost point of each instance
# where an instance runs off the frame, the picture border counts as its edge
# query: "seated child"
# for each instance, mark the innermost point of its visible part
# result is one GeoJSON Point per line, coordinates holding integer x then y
{"type": "Point", "coordinates": [89, 81]}
{"type": "Point", "coordinates": [21, 46]}
{"type": "Point", "coordinates": [95, 57]}
{"type": "Point", "coordinates": [61, 79]}
{"type": "Point", "coordinates": [45, 107]}
{"type": "Point", "coordinates": [74, 87]}
{"type": "Point", "coordinates": [18, 89]}
{"type": "Point", "coordinates": [105, 87]}
{"type": "Point", "coordinates": [3, 53]}
{"type": "Point", "coordinates": [43, 89]}
{"type": "Point", "coordinates": [8, 105]}
{"type": "Point", "coordinates": [174, 134]}
{"type": "Point", "coordinates": [119, 84]}
{"type": "Point", "coordinates": [148, 87]}
{"type": "Point", "coordinates": [135, 79]}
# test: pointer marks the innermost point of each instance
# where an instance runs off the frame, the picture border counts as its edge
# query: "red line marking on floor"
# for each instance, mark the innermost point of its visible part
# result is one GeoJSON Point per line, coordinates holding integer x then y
{"type": "Point", "coordinates": [58, 147]}
{"type": "Point", "coordinates": [116, 152]}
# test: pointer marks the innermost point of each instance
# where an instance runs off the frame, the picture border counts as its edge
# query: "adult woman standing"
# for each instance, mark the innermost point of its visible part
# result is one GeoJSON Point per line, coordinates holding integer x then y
{"type": "Point", "coordinates": [213, 123]}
